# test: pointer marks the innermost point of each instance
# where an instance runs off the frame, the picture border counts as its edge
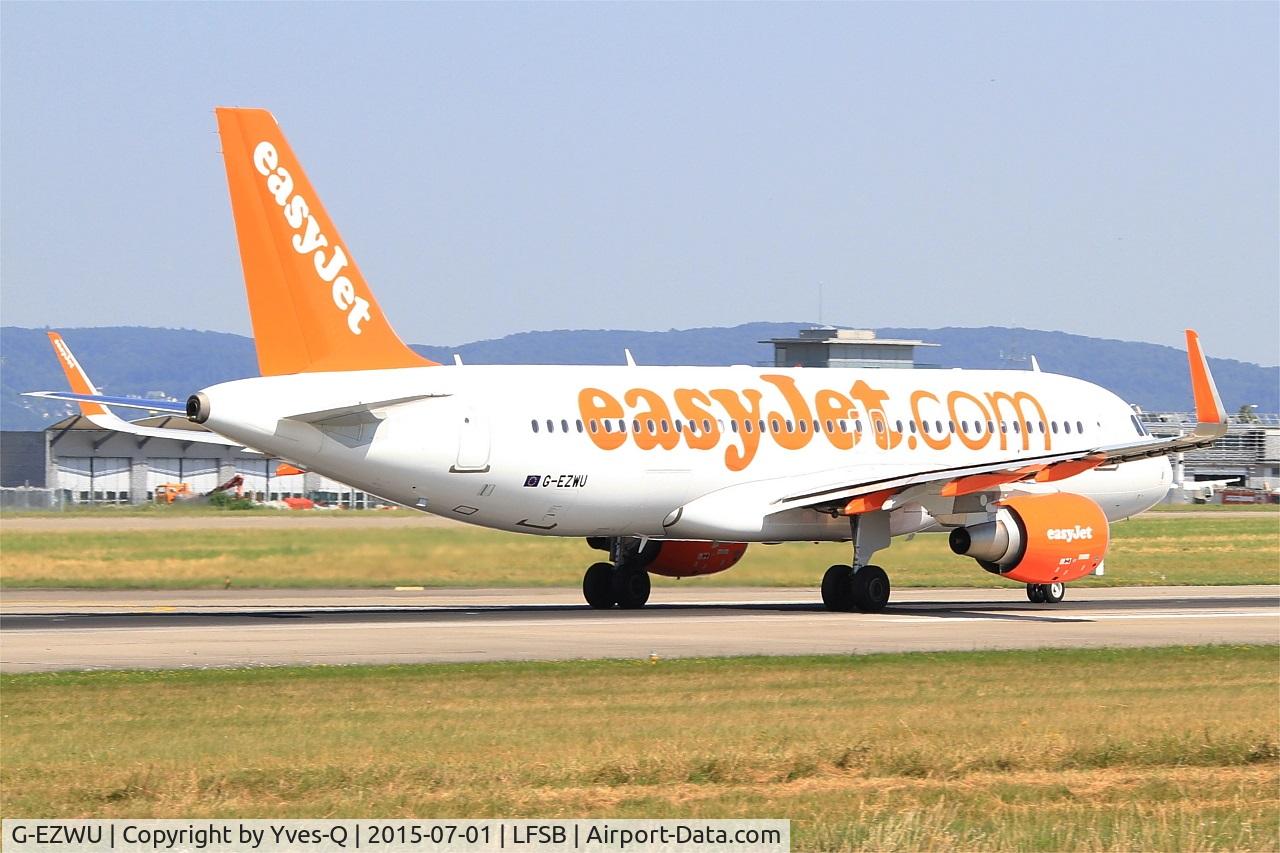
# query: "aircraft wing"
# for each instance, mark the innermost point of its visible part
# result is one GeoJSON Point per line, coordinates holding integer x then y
{"type": "Point", "coordinates": [850, 491]}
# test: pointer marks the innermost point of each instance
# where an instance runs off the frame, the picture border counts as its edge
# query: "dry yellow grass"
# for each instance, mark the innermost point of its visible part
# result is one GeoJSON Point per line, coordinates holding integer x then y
{"type": "Point", "coordinates": [1135, 749]}
{"type": "Point", "coordinates": [1151, 550]}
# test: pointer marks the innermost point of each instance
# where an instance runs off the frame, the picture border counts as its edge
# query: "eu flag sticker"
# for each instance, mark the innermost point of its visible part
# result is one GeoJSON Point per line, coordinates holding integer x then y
{"type": "Point", "coordinates": [532, 480]}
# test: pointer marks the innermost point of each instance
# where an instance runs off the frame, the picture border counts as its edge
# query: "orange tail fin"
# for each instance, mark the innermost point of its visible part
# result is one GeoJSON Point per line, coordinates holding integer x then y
{"type": "Point", "coordinates": [311, 308]}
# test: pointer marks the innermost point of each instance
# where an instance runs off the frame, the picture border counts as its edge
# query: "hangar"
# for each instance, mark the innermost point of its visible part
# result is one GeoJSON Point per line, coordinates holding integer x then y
{"type": "Point", "coordinates": [78, 462]}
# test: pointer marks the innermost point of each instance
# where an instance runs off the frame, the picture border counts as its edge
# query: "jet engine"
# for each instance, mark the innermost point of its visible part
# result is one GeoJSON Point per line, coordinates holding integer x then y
{"type": "Point", "coordinates": [1038, 539]}
{"type": "Point", "coordinates": [680, 559]}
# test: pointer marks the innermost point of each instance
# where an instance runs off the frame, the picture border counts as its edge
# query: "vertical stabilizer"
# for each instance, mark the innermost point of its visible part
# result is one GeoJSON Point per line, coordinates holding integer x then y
{"type": "Point", "coordinates": [311, 308]}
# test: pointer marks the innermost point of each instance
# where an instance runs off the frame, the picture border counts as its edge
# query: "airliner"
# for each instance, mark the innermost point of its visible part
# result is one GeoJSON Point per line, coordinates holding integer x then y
{"type": "Point", "coordinates": [672, 471]}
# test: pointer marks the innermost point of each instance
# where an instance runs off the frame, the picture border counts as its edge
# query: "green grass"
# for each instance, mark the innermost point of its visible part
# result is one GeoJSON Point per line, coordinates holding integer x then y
{"type": "Point", "coordinates": [1215, 508]}
{"type": "Point", "coordinates": [1101, 749]}
{"type": "Point", "coordinates": [1151, 550]}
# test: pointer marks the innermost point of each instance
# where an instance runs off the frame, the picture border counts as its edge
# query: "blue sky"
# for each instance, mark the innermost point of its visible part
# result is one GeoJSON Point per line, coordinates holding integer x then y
{"type": "Point", "coordinates": [1105, 169]}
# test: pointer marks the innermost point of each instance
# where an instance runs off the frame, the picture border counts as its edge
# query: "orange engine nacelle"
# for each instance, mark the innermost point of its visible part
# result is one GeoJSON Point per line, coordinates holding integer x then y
{"type": "Point", "coordinates": [679, 559]}
{"type": "Point", "coordinates": [1038, 538]}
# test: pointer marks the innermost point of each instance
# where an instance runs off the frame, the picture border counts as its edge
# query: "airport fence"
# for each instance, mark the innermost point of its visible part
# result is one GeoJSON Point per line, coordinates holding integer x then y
{"type": "Point", "coordinates": [31, 497]}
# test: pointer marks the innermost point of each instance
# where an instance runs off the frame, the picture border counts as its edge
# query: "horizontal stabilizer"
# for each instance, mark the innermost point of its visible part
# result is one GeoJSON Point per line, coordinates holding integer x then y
{"type": "Point", "coordinates": [173, 407]}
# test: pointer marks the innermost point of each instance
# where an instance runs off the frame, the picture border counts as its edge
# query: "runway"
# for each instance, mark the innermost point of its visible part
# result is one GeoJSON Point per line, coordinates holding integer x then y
{"type": "Point", "coordinates": [86, 630]}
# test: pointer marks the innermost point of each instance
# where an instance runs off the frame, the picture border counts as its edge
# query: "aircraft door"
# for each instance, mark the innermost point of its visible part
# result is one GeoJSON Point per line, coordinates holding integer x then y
{"type": "Point", "coordinates": [473, 442]}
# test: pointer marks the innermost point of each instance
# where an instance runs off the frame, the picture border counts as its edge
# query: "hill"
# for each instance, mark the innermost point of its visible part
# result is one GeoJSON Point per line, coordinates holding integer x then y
{"type": "Point", "coordinates": [138, 360]}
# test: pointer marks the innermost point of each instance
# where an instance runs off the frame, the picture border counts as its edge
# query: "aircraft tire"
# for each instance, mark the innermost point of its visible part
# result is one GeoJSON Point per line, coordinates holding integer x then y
{"type": "Point", "coordinates": [1035, 593]}
{"type": "Point", "coordinates": [870, 589]}
{"type": "Point", "coordinates": [631, 588]}
{"type": "Point", "coordinates": [837, 589]}
{"type": "Point", "coordinates": [597, 586]}
{"type": "Point", "coordinates": [1053, 592]}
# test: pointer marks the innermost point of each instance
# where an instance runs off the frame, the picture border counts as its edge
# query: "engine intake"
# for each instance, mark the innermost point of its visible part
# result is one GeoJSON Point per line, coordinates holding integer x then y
{"type": "Point", "coordinates": [198, 408]}
{"type": "Point", "coordinates": [1038, 538]}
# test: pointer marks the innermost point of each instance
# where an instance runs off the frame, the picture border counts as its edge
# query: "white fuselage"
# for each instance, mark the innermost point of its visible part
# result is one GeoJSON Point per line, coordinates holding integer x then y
{"type": "Point", "coordinates": [608, 451]}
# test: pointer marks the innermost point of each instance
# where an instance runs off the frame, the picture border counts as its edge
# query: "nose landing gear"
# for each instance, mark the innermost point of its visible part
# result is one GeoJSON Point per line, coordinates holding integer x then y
{"type": "Point", "coordinates": [1046, 593]}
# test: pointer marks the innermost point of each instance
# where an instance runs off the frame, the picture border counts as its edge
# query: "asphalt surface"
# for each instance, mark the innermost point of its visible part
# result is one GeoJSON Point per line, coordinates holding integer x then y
{"type": "Point", "coordinates": [80, 630]}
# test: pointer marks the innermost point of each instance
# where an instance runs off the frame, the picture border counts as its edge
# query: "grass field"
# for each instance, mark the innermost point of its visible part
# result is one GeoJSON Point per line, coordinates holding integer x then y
{"type": "Point", "coordinates": [1152, 550]}
{"type": "Point", "coordinates": [1137, 749]}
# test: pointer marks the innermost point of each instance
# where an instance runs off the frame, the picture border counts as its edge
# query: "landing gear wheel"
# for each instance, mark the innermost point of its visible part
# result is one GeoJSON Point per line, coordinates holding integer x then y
{"type": "Point", "coordinates": [870, 589]}
{"type": "Point", "coordinates": [1053, 592]}
{"type": "Point", "coordinates": [597, 586]}
{"type": "Point", "coordinates": [1035, 593]}
{"type": "Point", "coordinates": [837, 589]}
{"type": "Point", "coordinates": [630, 588]}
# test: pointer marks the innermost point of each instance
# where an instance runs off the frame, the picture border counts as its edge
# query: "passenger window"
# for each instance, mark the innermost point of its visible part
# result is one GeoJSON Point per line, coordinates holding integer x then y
{"type": "Point", "coordinates": [897, 426]}
{"type": "Point", "coordinates": [1017, 427]}
{"type": "Point", "coordinates": [580, 425]}
{"type": "Point", "coordinates": [608, 426]}
{"type": "Point", "coordinates": [749, 426]}
{"type": "Point", "coordinates": [879, 425]}
{"type": "Point", "coordinates": [1079, 427]}
{"type": "Point", "coordinates": [1004, 427]}
{"type": "Point", "coordinates": [830, 426]}
{"type": "Point", "coordinates": [964, 426]}
{"type": "Point", "coordinates": [790, 427]}
{"type": "Point", "coordinates": [706, 425]}
{"type": "Point", "coordinates": [951, 427]}
{"type": "Point", "coordinates": [534, 423]}
{"type": "Point", "coordinates": [733, 425]}
{"type": "Point", "coordinates": [622, 425]}
{"type": "Point", "coordinates": [551, 427]}
{"type": "Point", "coordinates": [679, 426]}
{"type": "Point", "coordinates": [776, 426]}
{"type": "Point", "coordinates": [665, 426]}
{"type": "Point", "coordinates": [564, 425]}
{"type": "Point", "coordinates": [1066, 425]}
{"type": "Point", "coordinates": [594, 428]}
{"type": "Point", "coordinates": [991, 426]}
{"type": "Point", "coordinates": [651, 425]}
{"type": "Point", "coordinates": [1053, 425]}
{"type": "Point", "coordinates": [804, 426]}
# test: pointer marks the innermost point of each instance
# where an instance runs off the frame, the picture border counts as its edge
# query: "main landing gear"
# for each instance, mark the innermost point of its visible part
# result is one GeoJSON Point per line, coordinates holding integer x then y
{"type": "Point", "coordinates": [862, 587]}
{"type": "Point", "coordinates": [1046, 593]}
{"type": "Point", "coordinates": [624, 582]}
{"type": "Point", "coordinates": [846, 589]}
